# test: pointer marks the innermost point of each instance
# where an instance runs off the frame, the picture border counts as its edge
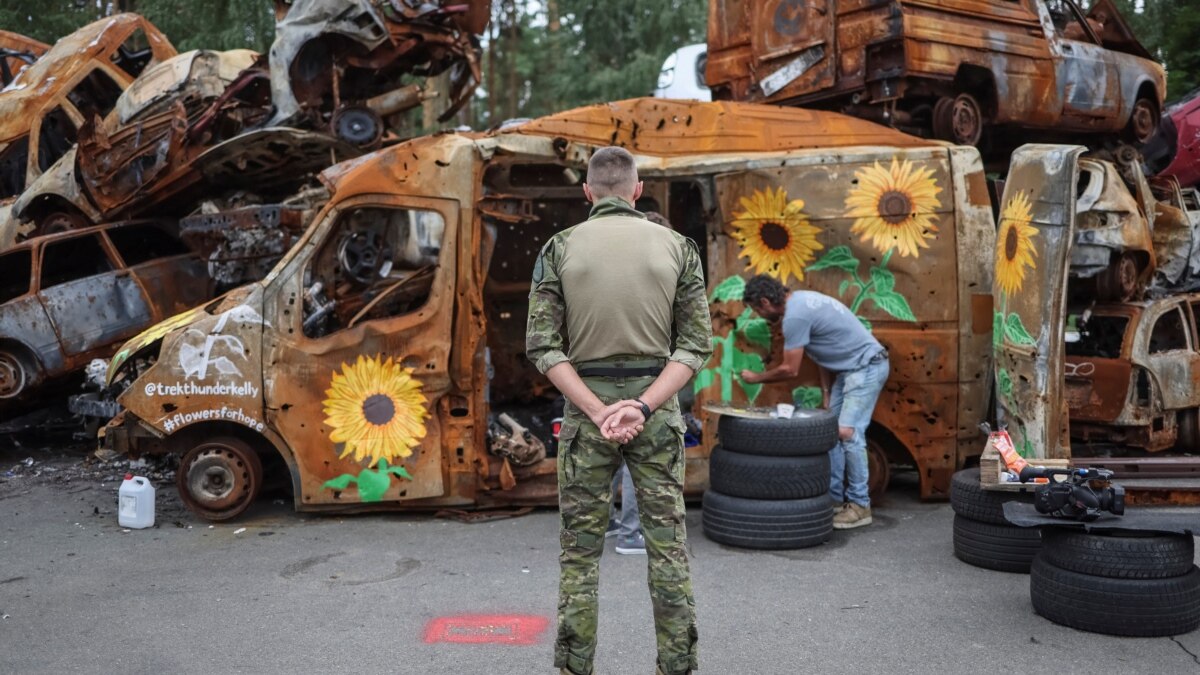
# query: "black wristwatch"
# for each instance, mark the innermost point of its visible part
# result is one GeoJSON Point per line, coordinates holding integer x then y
{"type": "Point", "coordinates": [645, 408]}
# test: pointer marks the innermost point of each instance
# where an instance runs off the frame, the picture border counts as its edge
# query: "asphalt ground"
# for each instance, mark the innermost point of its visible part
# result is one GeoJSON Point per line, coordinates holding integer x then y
{"type": "Point", "coordinates": [283, 592]}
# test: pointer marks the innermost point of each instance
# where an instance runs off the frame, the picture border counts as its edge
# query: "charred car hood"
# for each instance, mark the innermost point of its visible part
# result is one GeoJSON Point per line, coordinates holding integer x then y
{"type": "Point", "coordinates": [196, 318]}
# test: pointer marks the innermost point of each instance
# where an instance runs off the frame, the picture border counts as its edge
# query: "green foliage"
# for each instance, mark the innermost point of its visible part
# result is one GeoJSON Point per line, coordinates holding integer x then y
{"type": "Point", "coordinates": [214, 24]}
{"type": "Point", "coordinates": [372, 483]}
{"type": "Point", "coordinates": [1014, 331]}
{"type": "Point", "coordinates": [808, 397]}
{"type": "Point", "coordinates": [840, 257]}
{"type": "Point", "coordinates": [1168, 29]}
{"type": "Point", "coordinates": [730, 290]}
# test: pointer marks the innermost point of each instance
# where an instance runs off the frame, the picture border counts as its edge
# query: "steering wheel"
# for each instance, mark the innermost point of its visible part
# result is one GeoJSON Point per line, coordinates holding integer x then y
{"type": "Point", "coordinates": [362, 255]}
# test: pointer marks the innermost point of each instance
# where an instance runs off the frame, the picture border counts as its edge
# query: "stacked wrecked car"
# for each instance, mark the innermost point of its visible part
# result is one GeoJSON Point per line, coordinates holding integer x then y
{"type": "Point", "coordinates": [216, 151]}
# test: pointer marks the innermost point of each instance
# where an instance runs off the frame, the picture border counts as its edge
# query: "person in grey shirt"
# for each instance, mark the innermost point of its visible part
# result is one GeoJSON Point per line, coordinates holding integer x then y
{"type": "Point", "coordinates": [847, 353]}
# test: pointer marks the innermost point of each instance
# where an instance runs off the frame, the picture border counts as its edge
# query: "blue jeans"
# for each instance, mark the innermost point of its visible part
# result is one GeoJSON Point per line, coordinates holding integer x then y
{"type": "Point", "coordinates": [853, 401]}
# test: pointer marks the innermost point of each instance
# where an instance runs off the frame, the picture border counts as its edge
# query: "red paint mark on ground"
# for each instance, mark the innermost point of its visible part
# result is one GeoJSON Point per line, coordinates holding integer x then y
{"type": "Point", "coordinates": [508, 629]}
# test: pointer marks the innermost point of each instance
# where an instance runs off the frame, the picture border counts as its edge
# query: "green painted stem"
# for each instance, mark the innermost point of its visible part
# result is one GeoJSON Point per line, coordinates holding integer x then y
{"type": "Point", "coordinates": [866, 288]}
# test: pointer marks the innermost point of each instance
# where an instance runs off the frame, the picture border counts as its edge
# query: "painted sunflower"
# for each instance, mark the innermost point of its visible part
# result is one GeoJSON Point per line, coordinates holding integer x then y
{"type": "Point", "coordinates": [775, 234]}
{"type": "Point", "coordinates": [1014, 244]}
{"type": "Point", "coordinates": [894, 208]}
{"type": "Point", "coordinates": [376, 409]}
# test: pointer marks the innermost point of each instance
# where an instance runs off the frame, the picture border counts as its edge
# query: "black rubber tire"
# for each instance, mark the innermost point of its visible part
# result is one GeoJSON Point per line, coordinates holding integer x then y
{"type": "Point", "coordinates": [984, 506]}
{"type": "Point", "coordinates": [809, 432]}
{"type": "Point", "coordinates": [756, 477]}
{"type": "Point", "coordinates": [1004, 548]}
{"type": "Point", "coordinates": [1131, 607]}
{"type": "Point", "coordinates": [767, 523]}
{"type": "Point", "coordinates": [1160, 556]}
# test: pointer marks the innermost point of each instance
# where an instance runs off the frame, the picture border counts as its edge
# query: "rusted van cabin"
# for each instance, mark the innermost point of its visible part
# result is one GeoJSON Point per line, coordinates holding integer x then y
{"type": "Point", "coordinates": [369, 359]}
{"type": "Point", "coordinates": [942, 68]}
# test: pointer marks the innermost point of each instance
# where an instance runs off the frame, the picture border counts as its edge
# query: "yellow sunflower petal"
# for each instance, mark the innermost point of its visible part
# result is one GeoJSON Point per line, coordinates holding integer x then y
{"type": "Point", "coordinates": [385, 429]}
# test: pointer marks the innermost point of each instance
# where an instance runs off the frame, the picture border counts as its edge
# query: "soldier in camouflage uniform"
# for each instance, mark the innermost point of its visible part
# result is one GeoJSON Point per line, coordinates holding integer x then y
{"type": "Point", "coordinates": [632, 298]}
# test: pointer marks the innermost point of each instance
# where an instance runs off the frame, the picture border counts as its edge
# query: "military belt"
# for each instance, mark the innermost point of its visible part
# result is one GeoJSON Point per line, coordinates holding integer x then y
{"type": "Point", "coordinates": [630, 367]}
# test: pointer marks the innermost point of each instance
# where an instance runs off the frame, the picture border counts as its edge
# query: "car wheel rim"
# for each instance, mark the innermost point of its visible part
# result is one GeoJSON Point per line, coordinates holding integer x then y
{"type": "Point", "coordinates": [12, 376]}
{"type": "Point", "coordinates": [966, 120]}
{"type": "Point", "coordinates": [217, 479]}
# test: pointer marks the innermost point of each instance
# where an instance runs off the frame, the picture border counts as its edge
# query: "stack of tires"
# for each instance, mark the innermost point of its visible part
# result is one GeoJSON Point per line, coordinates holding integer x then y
{"type": "Point", "coordinates": [982, 537]}
{"type": "Point", "coordinates": [1134, 584]}
{"type": "Point", "coordinates": [769, 481]}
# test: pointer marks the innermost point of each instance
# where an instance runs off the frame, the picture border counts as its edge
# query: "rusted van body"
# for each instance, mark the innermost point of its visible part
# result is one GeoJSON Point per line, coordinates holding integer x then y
{"type": "Point", "coordinates": [43, 107]}
{"type": "Point", "coordinates": [370, 358]}
{"type": "Point", "coordinates": [946, 68]}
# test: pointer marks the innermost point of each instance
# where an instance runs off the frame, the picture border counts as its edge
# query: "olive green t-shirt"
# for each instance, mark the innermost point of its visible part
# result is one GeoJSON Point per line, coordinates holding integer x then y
{"type": "Point", "coordinates": [622, 285]}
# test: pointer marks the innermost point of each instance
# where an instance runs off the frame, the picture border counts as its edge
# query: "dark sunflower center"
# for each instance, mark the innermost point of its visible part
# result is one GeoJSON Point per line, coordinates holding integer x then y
{"type": "Point", "coordinates": [894, 207]}
{"type": "Point", "coordinates": [379, 409]}
{"type": "Point", "coordinates": [774, 236]}
{"type": "Point", "coordinates": [1010, 244]}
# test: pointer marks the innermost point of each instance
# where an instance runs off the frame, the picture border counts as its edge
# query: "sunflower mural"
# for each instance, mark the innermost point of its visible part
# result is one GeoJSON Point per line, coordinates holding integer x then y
{"type": "Point", "coordinates": [1014, 245]}
{"type": "Point", "coordinates": [377, 412]}
{"type": "Point", "coordinates": [1016, 255]}
{"type": "Point", "coordinates": [895, 211]}
{"type": "Point", "coordinates": [774, 233]}
{"type": "Point", "coordinates": [894, 208]}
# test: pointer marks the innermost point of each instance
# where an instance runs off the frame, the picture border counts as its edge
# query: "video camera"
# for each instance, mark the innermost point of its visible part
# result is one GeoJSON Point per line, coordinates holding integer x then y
{"type": "Point", "coordinates": [1074, 497]}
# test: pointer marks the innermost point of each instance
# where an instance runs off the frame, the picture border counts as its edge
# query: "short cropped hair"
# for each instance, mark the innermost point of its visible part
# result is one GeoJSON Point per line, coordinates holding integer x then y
{"type": "Point", "coordinates": [612, 171]}
{"type": "Point", "coordinates": [764, 287]}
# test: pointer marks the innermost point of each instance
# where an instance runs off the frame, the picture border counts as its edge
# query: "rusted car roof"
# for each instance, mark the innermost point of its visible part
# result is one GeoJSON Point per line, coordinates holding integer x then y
{"type": "Point", "coordinates": [648, 126]}
{"type": "Point", "coordinates": [61, 63]}
{"type": "Point", "coordinates": [16, 52]}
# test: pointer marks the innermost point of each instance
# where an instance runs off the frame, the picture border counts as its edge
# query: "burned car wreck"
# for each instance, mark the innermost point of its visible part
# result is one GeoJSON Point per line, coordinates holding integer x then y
{"type": "Point", "coordinates": [128, 276]}
{"type": "Point", "coordinates": [949, 70]}
{"type": "Point", "coordinates": [43, 107]}
{"type": "Point", "coordinates": [17, 52]}
{"type": "Point", "coordinates": [345, 66]}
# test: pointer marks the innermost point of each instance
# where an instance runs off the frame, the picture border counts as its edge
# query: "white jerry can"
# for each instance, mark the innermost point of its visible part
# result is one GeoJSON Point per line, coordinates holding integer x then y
{"type": "Point", "coordinates": [135, 502]}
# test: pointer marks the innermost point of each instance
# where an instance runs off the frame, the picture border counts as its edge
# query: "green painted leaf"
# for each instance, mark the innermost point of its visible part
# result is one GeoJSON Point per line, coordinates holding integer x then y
{"type": "Point", "coordinates": [1004, 383]}
{"type": "Point", "coordinates": [339, 483]}
{"type": "Point", "coordinates": [866, 324]}
{"type": "Point", "coordinates": [839, 257]}
{"type": "Point", "coordinates": [747, 361]}
{"type": "Point", "coordinates": [1014, 331]}
{"type": "Point", "coordinates": [842, 287]}
{"type": "Point", "coordinates": [808, 397]}
{"type": "Point", "coordinates": [893, 303]}
{"type": "Point", "coordinates": [704, 379]}
{"type": "Point", "coordinates": [758, 332]}
{"type": "Point", "coordinates": [400, 471]}
{"type": "Point", "coordinates": [372, 484]}
{"type": "Point", "coordinates": [729, 290]}
{"type": "Point", "coordinates": [884, 280]}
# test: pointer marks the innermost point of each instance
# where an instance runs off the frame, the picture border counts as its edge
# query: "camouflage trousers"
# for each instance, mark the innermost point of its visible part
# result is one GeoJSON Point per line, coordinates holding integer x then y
{"type": "Point", "coordinates": [586, 464]}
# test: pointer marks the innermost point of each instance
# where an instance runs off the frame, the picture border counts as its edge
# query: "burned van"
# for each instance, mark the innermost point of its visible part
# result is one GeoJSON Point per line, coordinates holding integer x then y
{"type": "Point", "coordinates": [948, 69]}
{"type": "Point", "coordinates": [371, 357]}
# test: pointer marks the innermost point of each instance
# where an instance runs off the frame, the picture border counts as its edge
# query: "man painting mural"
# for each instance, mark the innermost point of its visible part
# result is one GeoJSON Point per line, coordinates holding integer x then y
{"type": "Point", "coordinates": [631, 297]}
{"type": "Point", "coordinates": [837, 341]}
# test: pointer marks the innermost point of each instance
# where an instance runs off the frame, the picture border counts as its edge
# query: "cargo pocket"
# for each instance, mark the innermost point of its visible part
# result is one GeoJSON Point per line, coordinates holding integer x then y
{"type": "Point", "coordinates": [566, 458]}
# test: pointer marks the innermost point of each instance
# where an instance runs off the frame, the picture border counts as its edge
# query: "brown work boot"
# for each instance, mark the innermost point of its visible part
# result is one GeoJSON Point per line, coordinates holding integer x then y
{"type": "Point", "coordinates": [852, 516]}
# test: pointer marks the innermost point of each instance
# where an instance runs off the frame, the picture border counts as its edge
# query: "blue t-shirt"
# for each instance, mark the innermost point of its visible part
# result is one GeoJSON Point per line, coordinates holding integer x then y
{"type": "Point", "coordinates": [828, 331]}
